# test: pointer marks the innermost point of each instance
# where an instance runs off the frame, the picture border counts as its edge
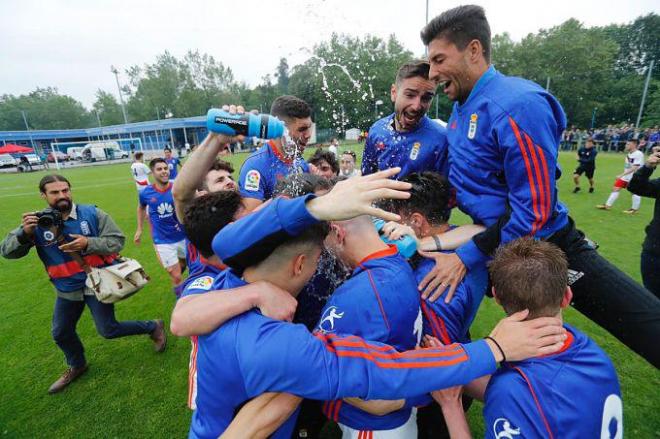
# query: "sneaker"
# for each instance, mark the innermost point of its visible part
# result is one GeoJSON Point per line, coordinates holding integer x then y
{"type": "Point", "coordinates": [69, 376]}
{"type": "Point", "coordinates": [591, 190]}
{"type": "Point", "coordinates": [576, 190]}
{"type": "Point", "coordinates": [603, 207]}
{"type": "Point", "coordinates": [159, 336]}
{"type": "Point", "coordinates": [631, 211]}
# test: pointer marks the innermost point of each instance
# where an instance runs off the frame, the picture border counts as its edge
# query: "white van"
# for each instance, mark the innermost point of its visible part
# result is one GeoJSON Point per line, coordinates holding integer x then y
{"type": "Point", "coordinates": [75, 152]}
{"type": "Point", "coordinates": [97, 151]}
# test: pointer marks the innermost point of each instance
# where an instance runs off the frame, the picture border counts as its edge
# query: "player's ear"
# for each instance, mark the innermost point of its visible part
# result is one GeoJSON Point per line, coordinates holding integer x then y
{"type": "Point", "coordinates": [416, 220]}
{"type": "Point", "coordinates": [492, 290]}
{"type": "Point", "coordinates": [566, 300]}
{"type": "Point", "coordinates": [299, 264]}
{"type": "Point", "coordinates": [393, 92]}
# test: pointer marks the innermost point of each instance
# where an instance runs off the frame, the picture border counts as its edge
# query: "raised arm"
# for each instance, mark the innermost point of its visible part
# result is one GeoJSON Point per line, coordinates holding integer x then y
{"type": "Point", "coordinates": [193, 171]}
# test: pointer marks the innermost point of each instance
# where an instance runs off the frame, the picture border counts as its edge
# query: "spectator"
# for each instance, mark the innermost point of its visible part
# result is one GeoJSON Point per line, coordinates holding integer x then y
{"type": "Point", "coordinates": [347, 165]}
{"type": "Point", "coordinates": [325, 163]}
{"type": "Point", "coordinates": [334, 143]}
{"type": "Point", "coordinates": [642, 186]}
{"type": "Point", "coordinates": [89, 233]}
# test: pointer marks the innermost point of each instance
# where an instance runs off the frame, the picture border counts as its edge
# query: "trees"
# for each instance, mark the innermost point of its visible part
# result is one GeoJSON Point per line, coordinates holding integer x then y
{"type": "Point", "coordinates": [45, 108]}
{"type": "Point", "coordinates": [107, 108]}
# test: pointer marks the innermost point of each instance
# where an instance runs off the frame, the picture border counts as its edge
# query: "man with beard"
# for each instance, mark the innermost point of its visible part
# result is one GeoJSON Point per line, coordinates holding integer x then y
{"type": "Point", "coordinates": [166, 230]}
{"type": "Point", "coordinates": [503, 135]}
{"type": "Point", "coordinates": [407, 138]}
{"type": "Point", "coordinates": [92, 233]}
{"type": "Point", "coordinates": [277, 158]}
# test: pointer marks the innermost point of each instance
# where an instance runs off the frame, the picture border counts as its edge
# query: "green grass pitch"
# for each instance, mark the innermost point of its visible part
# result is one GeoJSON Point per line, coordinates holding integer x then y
{"type": "Point", "coordinates": [130, 391]}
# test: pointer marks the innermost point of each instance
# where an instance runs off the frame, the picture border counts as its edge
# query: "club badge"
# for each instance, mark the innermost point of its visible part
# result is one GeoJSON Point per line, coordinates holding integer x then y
{"type": "Point", "coordinates": [48, 235]}
{"type": "Point", "coordinates": [414, 152]}
{"type": "Point", "coordinates": [472, 130]}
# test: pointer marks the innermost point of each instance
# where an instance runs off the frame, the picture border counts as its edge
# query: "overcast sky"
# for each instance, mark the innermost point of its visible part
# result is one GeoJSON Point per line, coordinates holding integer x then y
{"type": "Point", "coordinates": [70, 44]}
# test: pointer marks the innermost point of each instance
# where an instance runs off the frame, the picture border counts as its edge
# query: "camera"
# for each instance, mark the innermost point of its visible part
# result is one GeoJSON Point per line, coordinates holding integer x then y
{"type": "Point", "coordinates": [49, 218]}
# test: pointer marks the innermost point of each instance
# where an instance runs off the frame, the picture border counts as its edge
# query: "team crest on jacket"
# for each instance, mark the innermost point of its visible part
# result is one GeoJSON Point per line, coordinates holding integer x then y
{"type": "Point", "coordinates": [327, 323]}
{"type": "Point", "coordinates": [84, 228]}
{"type": "Point", "coordinates": [49, 236]}
{"type": "Point", "coordinates": [503, 429]}
{"type": "Point", "coordinates": [414, 152]}
{"type": "Point", "coordinates": [472, 130]}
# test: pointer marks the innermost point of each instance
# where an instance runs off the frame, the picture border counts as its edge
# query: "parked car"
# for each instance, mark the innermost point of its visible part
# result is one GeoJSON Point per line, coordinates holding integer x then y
{"type": "Point", "coordinates": [61, 157]}
{"type": "Point", "coordinates": [98, 151]}
{"type": "Point", "coordinates": [7, 160]}
{"type": "Point", "coordinates": [33, 159]}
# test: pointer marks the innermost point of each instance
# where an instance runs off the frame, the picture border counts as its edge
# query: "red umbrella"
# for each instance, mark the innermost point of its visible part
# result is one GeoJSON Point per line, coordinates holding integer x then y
{"type": "Point", "coordinates": [10, 148]}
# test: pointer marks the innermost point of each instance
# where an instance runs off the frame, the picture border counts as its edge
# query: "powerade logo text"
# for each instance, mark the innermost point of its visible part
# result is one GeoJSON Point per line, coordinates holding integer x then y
{"type": "Point", "coordinates": [230, 121]}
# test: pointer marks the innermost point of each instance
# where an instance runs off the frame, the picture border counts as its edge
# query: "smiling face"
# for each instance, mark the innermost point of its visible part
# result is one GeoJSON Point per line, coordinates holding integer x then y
{"type": "Point", "coordinates": [219, 180]}
{"type": "Point", "coordinates": [161, 173]}
{"type": "Point", "coordinates": [412, 98]}
{"type": "Point", "coordinates": [456, 71]}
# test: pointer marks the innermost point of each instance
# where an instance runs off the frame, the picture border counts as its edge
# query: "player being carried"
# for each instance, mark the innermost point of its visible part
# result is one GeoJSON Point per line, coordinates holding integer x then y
{"type": "Point", "coordinates": [634, 159]}
{"type": "Point", "coordinates": [157, 203]}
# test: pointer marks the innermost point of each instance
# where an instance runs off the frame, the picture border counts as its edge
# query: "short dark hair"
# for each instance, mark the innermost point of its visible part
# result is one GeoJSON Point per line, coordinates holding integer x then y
{"type": "Point", "coordinates": [321, 154]}
{"type": "Point", "coordinates": [430, 195]}
{"type": "Point", "coordinates": [418, 68]}
{"type": "Point", "coordinates": [460, 25]}
{"type": "Point", "coordinates": [139, 155]}
{"type": "Point", "coordinates": [529, 274]}
{"type": "Point", "coordinates": [221, 165]}
{"type": "Point", "coordinates": [154, 162]}
{"type": "Point", "coordinates": [297, 185]}
{"type": "Point", "coordinates": [167, 150]}
{"type": "Point", "coordinates": [207, 215]}
{"type": "Point", "coordinates": [51, 178]}
{"type": "Point", "coordinates": [290, 107]}
{"type": "Point", "coordinates": [351, 153]}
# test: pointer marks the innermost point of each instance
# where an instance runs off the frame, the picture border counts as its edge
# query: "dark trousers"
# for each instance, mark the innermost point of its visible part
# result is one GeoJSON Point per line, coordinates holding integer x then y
{"type": "Point", "coordinates": [66, 316]}
{"type": "Point", "coordinates": [610, 298]}
{"type": "Point", "coordinates": [651, 272]}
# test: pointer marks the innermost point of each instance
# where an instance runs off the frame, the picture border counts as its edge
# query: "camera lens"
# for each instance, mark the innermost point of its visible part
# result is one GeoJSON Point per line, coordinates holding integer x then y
{"type": "Point", "coordinates": [46, 222]}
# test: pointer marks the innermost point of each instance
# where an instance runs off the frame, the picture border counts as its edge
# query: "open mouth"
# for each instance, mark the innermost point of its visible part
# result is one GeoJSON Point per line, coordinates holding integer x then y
{"type": "Point", "coordinates": [410, 118]}
{"type": "Point", "coordinates": [444, 85]}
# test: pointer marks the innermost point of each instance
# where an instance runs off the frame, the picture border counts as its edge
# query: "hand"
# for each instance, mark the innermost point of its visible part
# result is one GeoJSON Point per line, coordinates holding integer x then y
{"type": "Point", "coordinates": [521, 339]}
{"type": "Point", "coordinates": [395, 231]}
{"type": "Point", "coordinates": [429, 341]}
{"type": "Point", "coordinates": [354, 197]}
{"type": "Point", "coordinates": [314, 170]}
{"type": "Point", "coordinates": [78, 244]}
{"type": "Point", "coordinates": [448, 272]}
{"type": "Point", "coordinates": [275, 303]}
{"type": "Point", "coordinates": [448, 396]}
{"type": "Point", "coordinates": [222, 138]}
{"type": "Point", "coordinates": [29, 223]}
{"type": "Point", "coordinates": [136, 238]}
{"type": "Point", "coordinates": [653, 159]}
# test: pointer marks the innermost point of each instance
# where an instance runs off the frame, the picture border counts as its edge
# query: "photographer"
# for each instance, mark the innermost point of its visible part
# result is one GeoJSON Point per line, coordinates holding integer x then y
{"type": "Point", "coordinates": [58, 232]}
{"type": "Point", "coordinates": [640, 185]}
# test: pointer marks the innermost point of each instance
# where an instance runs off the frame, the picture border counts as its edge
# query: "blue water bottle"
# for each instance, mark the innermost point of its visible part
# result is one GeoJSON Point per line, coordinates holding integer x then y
{"type": "Point", "coordinates": [407, 245]}
{"type": "Point", "coordinates": [263, 126]}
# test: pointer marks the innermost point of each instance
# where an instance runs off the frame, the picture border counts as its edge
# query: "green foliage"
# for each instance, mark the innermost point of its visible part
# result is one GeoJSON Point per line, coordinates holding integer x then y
{"type": "Point", "coordinates": [346, 76]}
{"type": "Point", "coordinates": [45, 109]}
{"type": "Point", "coordinates": [108, 109]}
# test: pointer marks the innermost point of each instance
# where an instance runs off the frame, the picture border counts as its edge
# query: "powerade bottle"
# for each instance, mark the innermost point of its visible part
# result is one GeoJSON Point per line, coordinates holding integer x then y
{"type": "Point", "coordinates": [263, 126]}
{"type": "Point", "coordinates": [407, 245]}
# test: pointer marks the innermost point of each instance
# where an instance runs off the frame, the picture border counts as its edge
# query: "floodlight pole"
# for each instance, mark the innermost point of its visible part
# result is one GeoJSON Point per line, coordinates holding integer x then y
{"type": "Point", "coordinates": [27, 128]}
{"type": "Point", "coordinates": [114, 70]}
{"type": "Point", "coordinates": [426, 48]}
{"type": "Point", "coordinates": [646, 89]}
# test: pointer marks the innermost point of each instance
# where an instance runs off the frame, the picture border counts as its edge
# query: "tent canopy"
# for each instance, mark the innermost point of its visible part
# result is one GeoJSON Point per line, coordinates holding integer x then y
{"type": "Point", "coordinates": [10, 148]}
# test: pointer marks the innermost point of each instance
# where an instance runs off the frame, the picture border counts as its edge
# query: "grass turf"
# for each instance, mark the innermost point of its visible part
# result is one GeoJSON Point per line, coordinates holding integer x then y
{"type": "Point", "coordinates": [130, 391]}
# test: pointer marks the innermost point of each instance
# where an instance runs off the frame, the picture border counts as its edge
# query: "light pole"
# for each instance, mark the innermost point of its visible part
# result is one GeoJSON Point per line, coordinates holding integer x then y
{"type": "Point", "coordinates": [23, 113]}
{"type": "Point", "coordinates": [114, 70]}
{"type": "Point", "coordinates": [376, 104]}
{"type": "Point", "coordinates": [646, 89]}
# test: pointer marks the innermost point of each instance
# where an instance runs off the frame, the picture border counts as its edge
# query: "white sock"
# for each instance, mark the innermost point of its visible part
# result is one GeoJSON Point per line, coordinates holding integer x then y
{"type": "Point", "coordinates": [636, 201]}
{"type": "Point", "coordinates": [610, 201]}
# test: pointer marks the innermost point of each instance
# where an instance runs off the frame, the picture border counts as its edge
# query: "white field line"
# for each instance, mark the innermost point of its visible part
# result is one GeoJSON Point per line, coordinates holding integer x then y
{"type": "Point", "coordinates": [75, 189]}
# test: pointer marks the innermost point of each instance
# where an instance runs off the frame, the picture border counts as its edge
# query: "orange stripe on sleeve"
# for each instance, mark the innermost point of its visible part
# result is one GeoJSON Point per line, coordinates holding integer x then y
{"type": "Point", "coordinates": [544, 165]}
{"type": "Point", "coordinates": [530, 177]}
{"type": "Point", "coordinates": [540, 182]}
